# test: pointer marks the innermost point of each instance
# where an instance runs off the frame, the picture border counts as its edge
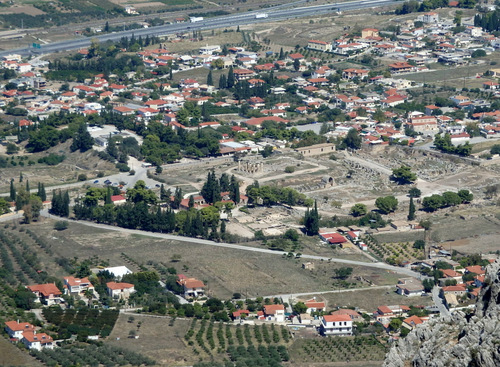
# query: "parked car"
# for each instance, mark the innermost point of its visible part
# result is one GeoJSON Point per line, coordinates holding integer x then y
{"type": "Point", "coordinates": [96, 181]}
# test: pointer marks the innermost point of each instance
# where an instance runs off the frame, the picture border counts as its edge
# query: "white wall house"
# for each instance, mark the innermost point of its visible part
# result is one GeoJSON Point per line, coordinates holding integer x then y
{"type": "Point", "coordinates": [336, 325]}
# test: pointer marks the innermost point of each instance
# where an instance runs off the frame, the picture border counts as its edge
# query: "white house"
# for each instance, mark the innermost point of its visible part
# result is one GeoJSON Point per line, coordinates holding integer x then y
{"type": "Point", "coordinates": [314, 306]}
{"type": "Point", "coordinates": [15, 329]}
{"type": "Point", "coordinates": [274, 313]}
{"type": "Point", "coordinates": [76, 285]}
{"type": "Point", "coordinates": [337, 325]}
{"type": "Point", "coordinates": [120, 290]}
{"type": "Point", "coordinates": [32, 340]}
{"type": "Point", "coordinates": [192, 287]}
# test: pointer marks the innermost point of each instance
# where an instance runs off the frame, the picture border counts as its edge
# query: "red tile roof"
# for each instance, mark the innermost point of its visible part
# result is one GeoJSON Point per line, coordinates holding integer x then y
{"type": "Point", "coordinates": [19, 326]}
{"type": "Point", "coordinates": [45, 289]}
{"type": "Point", "coordinates": [115, 286]}
{"type": "Point", "coordinates": [336, 318]}
{"type": "Point", "coordinates": [271, 309]}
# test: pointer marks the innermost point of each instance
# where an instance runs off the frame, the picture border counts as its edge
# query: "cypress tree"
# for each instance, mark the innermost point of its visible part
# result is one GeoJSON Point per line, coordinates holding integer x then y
{"type": "Point", "coordinates": [411, 212]}
{"type": "Point", "coordinates": [28, 186]}
{"type": "Point", "coordinates": [20, 177]}
{"type": "Point", "coordinates": [191, 201]}
{"type": "Point", "coordinates": [163, 193]}
{"type": "Point", "coordinates": [222, 82]}
{"type": "Point", "coordinates": [230, 78]}
{"type": "Point", "coordinates": [43, 194]}
{"type": "Point", "coordinates": [224, 182]}
{"type": "Point", "coordinates": [235, 190]}
{"type": "Point", "coordinates": [12, 190]}
{"type": "Point", "coordinates": [53, 202]}
{"type": "Point", "coordinates": [177, 198]}
{"type": "Point", "coordinates": [107, 199]}
{"type": "Point", "coordinates": [65, 204]}
{"type": "Point", "coordinates": [311, 220]}
{"type": "Point", "coordinates": [210, 80]}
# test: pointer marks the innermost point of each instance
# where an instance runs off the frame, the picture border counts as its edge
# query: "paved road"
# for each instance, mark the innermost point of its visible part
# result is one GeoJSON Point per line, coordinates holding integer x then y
{"type": "Point", "coordinates": [438, 301]}
{"type": "Point", "coordinates": [379, 265]}
{"type": "Point", "coordinates": [274, 14]}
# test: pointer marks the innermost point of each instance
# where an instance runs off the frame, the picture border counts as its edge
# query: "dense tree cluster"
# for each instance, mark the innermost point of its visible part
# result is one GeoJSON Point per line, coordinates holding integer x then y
{"type": "Point", "coordinates": [82, 322]}
{"type": "Point", "coordinates": [436, 201]}
{"type": "Point", "coordinates": [444, 144]}
{"type": "Point", "coordinates": [311, 221]}
{"type": "Point", "coordinates": [213, 188]}
{"type": "Point", "coordinates": [142, 212]}
{"type": "Point", "coordinates": [60, 203]}
{"type": "Point", "coordinates": [489, 21]}
{"type": "Point", "coordinates": [109, 63]}
{"type": "Point", "coordinates": [272, 195]}
{"type": "Point", "coordinates": [91, 355]}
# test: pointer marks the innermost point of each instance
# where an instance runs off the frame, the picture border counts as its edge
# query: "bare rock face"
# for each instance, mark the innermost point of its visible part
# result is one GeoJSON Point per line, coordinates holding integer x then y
{"type": "Point", "coordinates": [457, 341]}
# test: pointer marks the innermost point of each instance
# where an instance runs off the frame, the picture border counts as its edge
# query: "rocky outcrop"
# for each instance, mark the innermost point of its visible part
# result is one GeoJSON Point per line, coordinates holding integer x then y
{"type": "Point", "coordinates": [459, 340]}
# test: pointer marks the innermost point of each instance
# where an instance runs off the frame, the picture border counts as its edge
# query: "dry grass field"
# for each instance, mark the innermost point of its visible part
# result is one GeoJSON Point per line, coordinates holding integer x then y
{"type": "Point", "coordinates": [10, 355]}
{"type": "Point", "coordinates": [157, 339]}
{"type": "Point", "coordinates": [225, 271]}
{"type": "Point", "coordinates": [67, 171]}
{"type": "Point", "coordinates": [368, 300]}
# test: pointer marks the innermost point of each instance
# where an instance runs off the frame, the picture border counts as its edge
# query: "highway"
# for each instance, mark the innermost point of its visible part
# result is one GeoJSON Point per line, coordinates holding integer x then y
{"type": "Point", "coordinates": [274, 14]}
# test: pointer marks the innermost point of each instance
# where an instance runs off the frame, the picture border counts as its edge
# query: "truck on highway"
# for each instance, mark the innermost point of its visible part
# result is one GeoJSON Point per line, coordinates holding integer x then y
{"type": "Point", "coordinates": [195, 19]}
{"type": "Point", "coordinates": [261, 15]}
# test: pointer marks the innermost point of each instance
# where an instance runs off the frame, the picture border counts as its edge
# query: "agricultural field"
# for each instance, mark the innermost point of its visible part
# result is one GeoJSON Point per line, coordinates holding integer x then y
{"type": "Point", "coordinates": [192, 340]}
{"type": "Point", "coordinates": [337, 349]}
{"type": "Point", "coordinates": [395, 252]}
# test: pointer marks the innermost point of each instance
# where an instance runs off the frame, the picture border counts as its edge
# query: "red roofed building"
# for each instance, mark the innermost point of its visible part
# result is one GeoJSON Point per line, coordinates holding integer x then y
{"type": "Point", "coordinates": [402, 67]}
{"type": "Point", "coordinates": [120, 290]}
{"type": "Point", "coordinates": [15, 329]}
{"type": "Point", "coordinates": [124, 111]}
{"type": "Point", "coordinates": [314, 306]}
{"type": "Point", "coordinates": [296, 56]}
{"type": "Point", "coordinates": [476, 269]}
{"type": "Point", "coordinates": [457, 290]}
{"type": "Point", "coordinates": [37, 341]}
{"type": "Point", "coordinates": [76, 285]}
{"type": "Point", "coordinates": [192, 286]}
{"type": "Point", "coordinates": [319, 45]}
{"type": "Point", "coordinates": [355, 73]}
{"type": "Point", "coordinates": [243, 74]}
{"type": "Point", "coordinates": [240, 314]}
{"type": "Point", "coordinates": [47, 294]}
{"type": "Point", "coordinates": [336, 325]}
{"type": "Point", "coordinates": [25, 123]}
{"type": "Point", "coordinates": [413, 321]}
{"type": "Point", "coordinates": [355, 316]}
{"type": "Point", "coordinates": [257, 121]}
{"type": "Point", "coordinates": [157, 104]}
{"type": "Point", "coordinates": [274, 313]}
{"type": "Point", "coordinates": [118, 199]}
